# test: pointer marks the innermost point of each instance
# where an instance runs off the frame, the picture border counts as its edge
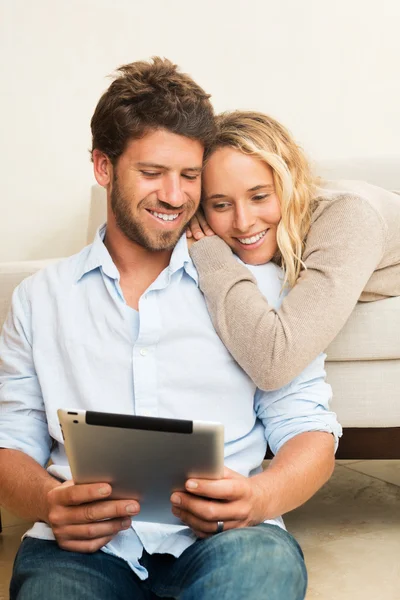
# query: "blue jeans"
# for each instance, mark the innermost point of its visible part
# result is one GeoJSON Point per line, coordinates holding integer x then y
{"type": "Point", "coordinates": [262, 562]}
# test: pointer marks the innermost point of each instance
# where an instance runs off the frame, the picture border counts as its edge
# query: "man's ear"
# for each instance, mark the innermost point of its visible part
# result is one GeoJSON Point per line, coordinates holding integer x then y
{"type": "Point", "coordinates": [102, 168]}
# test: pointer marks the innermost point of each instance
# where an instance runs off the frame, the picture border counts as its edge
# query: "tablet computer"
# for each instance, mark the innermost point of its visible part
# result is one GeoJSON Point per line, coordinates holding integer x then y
{"type": "Point", "coordinates": [143, 458]}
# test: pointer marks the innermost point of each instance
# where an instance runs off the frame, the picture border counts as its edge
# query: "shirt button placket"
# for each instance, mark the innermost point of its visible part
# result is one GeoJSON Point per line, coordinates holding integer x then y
{"type": "Point", "coordinates": [144, 358]}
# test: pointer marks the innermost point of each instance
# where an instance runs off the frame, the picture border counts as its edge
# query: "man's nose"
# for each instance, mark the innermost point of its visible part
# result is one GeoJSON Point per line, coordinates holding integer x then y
{"type": "Point", "coordinates": [171, 192]}
{"type": "Point", "coordinates": [244, 219]}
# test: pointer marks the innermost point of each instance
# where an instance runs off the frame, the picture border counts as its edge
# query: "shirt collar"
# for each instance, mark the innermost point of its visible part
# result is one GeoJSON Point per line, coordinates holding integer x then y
{"type": "Point", "coordinates": [99, 257]}
{"type": "Point", "coordinates": [180, 259]}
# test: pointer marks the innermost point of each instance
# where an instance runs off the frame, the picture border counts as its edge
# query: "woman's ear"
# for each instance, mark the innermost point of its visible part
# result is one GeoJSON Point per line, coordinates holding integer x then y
{"type": "Point", "coordinates": [102, 168]}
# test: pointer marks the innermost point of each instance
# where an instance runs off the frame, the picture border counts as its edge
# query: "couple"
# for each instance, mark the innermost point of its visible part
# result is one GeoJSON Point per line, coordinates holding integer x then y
{"type": "Point", "coordinates": [123, 327]}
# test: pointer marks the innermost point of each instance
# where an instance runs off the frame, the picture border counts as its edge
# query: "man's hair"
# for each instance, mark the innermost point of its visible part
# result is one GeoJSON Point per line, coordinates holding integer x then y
{"type": "Point", "coordinates": [146, 96]}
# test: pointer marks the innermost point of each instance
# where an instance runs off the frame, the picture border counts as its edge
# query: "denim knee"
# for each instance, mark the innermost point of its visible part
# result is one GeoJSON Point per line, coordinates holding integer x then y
{"type": "Point", "coordinates": [43, 571]}
{"type": "Point", "coordinates": [268, 557]}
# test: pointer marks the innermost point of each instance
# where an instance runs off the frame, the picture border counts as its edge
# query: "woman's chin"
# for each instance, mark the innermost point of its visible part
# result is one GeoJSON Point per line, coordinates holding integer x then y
{"type": "Point", "coordinates": [253, 257]}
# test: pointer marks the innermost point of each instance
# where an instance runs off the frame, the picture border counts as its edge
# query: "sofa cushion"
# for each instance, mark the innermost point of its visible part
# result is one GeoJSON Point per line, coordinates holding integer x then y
{"type": "Point", "coordinates": [371, 333]}
{"type": "Point", "coordinates": [365, 393]}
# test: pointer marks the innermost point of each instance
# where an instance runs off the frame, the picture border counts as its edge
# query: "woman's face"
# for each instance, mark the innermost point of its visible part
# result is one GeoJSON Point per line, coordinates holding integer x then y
{"type": "Point", "coordinates": [241, 205]}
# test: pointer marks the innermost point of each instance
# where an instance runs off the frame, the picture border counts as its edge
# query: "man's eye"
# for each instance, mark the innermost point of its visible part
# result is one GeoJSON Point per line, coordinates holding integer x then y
{"type": "Point", "coordinates": [150, 173]}
{"type": "Point", "coordinates": [190, 177]}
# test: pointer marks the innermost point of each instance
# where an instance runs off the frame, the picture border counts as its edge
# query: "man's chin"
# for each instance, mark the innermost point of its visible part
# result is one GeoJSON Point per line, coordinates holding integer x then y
{"type": "Point", "coordinates": [161, 242]}
{"type": "Point", "coordinates": [165, 242]}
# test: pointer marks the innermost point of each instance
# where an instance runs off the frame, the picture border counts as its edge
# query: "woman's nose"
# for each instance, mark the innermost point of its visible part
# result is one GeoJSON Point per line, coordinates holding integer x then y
{"type": "Point", "coordinates": [244, 219]}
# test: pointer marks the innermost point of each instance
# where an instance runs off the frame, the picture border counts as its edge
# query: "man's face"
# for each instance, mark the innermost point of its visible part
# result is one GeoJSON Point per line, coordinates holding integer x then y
{"type": "Point", "coordinates": [156, 188]}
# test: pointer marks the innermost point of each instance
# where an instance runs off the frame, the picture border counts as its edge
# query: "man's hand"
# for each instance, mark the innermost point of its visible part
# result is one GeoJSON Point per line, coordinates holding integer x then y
{"type": "Point", "coordinates": [83, 519]}
{"type": "Point", "coordinates": [236, 500]}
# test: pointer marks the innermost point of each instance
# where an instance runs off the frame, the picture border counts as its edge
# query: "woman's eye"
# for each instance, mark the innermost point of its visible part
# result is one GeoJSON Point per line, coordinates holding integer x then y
{"type": "Point", "coordinates": [221, 205]}
{"type": "Point", "coordinates": [261, 197]}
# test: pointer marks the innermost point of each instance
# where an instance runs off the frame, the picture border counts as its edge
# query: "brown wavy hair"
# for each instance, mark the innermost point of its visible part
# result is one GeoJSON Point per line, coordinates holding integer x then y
{"type": "Point", "coordinates": [146, 96]}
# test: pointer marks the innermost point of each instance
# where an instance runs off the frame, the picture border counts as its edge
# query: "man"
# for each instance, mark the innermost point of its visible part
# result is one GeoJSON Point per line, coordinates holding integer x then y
{"type": "Point", "coordinates": [123, 327]}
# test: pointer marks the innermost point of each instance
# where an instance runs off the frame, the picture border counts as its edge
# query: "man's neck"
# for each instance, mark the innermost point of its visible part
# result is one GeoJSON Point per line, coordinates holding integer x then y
{"type": "Point", "coordinates": [138, 267]}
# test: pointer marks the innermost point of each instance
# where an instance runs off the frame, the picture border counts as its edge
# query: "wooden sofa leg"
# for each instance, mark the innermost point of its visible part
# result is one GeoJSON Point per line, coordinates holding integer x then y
{"type": "Point", "coordinates": [365, 443]}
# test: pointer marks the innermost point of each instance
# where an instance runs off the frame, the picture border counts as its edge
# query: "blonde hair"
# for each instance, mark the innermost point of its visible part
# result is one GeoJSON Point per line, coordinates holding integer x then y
{"type": "Point", "coordinates": [261, 136]}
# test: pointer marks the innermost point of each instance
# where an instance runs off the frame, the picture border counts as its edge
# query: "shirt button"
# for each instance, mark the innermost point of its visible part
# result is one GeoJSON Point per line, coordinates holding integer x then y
{"type": "Point", "coordinates": [144, 351]}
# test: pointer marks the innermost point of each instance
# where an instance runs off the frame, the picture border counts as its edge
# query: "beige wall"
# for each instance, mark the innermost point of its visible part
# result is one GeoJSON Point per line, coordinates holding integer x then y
{"type": "Point", "coordinates": [329, 70]}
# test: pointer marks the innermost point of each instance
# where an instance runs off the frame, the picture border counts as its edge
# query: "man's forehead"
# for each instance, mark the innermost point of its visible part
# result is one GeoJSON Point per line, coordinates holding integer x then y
{"type": "Point", "coordinates": [164, 149]}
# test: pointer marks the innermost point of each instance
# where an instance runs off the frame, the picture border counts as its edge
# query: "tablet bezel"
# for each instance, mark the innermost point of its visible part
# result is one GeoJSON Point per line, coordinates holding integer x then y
{"type": "Point", "coordinates": [144, 458]}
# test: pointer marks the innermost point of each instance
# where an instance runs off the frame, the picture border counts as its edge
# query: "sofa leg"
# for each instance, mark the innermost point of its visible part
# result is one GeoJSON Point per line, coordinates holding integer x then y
{"type": "Point", "coordinates": [364, 443]}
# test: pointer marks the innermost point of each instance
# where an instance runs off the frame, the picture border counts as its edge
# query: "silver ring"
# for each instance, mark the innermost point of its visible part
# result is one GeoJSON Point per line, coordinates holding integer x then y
{"type": "Point", "coordinates": [220, 527]}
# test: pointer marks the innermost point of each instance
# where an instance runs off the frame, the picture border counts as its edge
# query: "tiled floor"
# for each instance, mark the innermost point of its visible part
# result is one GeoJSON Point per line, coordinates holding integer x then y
{"type": "Point", "coordinates": [350, 534]}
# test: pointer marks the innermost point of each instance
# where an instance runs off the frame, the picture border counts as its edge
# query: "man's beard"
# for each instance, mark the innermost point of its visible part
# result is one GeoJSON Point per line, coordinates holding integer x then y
{"type": "Point", "coordinates": [136, 232]}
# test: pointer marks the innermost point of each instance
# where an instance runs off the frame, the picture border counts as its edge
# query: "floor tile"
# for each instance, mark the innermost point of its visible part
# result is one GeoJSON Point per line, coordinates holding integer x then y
{"type": "Point", "coordinates": [8, 519]}
{"type": "Point", "coordinates": [387, 470]}
{"type": "Point", "coordinates": [354, 570]}
{"type": "Point", "coordinates": [346, 461]}
{"type": "Point", "coordinates": [10, 539]}
{"type": "Point", "coordinates": [350, 535]}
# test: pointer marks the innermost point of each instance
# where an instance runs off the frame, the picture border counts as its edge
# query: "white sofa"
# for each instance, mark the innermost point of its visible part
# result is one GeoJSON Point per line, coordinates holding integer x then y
{"type": "Point", "coordinates": [363, 363]}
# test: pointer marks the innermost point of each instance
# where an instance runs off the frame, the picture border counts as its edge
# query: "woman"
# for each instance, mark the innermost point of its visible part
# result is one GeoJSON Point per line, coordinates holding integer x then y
{"type": "Point", "coordinates": [337, 242]}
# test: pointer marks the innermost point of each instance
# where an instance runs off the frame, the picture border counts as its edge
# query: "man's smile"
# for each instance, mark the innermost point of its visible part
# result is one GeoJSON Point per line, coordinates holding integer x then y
{"type": "Point", "coordinates": [166, 218]}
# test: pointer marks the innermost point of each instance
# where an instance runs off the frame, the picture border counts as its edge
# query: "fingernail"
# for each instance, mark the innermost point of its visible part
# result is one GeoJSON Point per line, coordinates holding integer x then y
{"type": "Point", "coordinates": [192, 485]}
{"type": "Point", "coordinates": [126, 523]}
{"type": "Point", "coordinates": [132, 509]}
{"type": "Point", "coordinates": [176, 499]}
{"type": "Point", "coordinates": [104, 491]}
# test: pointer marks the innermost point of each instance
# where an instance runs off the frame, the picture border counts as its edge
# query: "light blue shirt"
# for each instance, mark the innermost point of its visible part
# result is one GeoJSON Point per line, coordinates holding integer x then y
{"type": "Point", "coordinates": [71, 341]}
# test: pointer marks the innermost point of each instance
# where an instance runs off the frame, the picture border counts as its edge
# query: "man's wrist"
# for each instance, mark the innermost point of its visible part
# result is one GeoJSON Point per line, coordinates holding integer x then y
{"type": "Point", "coordinates": [49, 484]}
{"type": "Point", "coordinates": [270, 493]}
{"type": "Point", "coordinates": [262, 497]}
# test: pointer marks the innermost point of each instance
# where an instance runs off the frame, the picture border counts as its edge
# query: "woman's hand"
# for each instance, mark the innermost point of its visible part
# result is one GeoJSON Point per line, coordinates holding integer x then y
{"type": "Point", "coordinates": [198, 227]}
{"type": "Point", "coordinates": [236, 500]}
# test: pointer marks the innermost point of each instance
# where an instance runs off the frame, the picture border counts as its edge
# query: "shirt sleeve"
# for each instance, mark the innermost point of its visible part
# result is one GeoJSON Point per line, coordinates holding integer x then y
{"type": "Point", "coordinates": [345, 244]}
{"type": "Point", "coordinates": [23, 424]}
{"type": "Point", "coordinates": [299, 407]}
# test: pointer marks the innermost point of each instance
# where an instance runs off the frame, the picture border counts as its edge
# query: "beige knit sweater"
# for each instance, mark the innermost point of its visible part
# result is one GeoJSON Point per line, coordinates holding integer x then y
{"type": "Point", "coordinates": [352, 253]}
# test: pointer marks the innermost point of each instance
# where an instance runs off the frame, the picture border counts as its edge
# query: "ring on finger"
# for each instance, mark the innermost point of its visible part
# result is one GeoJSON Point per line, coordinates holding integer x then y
{"type": "Point", "coordinates": [220, 527]}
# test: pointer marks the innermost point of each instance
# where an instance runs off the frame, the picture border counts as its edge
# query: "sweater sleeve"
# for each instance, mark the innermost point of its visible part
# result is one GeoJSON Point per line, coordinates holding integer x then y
{"type": "Point", "coordinates": [344, 246]}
